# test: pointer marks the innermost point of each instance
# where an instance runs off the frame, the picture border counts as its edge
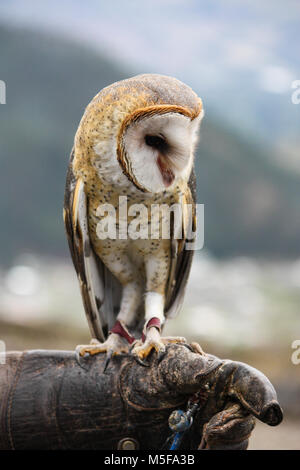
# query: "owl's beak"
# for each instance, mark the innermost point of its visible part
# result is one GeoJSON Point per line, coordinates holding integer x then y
{"type": "Point", "coordinates": [165, 170]}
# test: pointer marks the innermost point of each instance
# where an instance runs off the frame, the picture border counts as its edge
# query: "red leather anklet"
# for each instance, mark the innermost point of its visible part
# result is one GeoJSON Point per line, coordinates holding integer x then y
{"type": "Point", "coordinates": [119, 329]}
{"type": "Point", "coordinates": [152, 322]}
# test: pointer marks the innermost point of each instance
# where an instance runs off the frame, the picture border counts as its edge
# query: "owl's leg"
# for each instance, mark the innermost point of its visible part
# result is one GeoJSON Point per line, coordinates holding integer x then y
{"type": "Point", "coordinates": [157, 270]}
{"type": "Point", "coordinates": [119, 338]}
{"type": "Point", "coordinates": [154, 318]}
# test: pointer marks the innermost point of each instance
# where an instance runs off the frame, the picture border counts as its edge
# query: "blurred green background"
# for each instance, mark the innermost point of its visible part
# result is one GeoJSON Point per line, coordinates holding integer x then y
{"type": "Point", "coordinates": [241, 58]}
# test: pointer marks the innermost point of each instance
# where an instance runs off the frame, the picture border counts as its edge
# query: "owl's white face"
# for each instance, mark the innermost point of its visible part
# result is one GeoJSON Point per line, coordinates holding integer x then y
{"type": "Point", "coordinates": [160, 149]}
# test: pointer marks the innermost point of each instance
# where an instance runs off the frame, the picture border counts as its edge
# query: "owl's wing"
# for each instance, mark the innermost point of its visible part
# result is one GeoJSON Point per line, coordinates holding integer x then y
{"type": "Point", "coordinates": [100, 291]}
{"type": "Point", "coordinates": [181, 258]}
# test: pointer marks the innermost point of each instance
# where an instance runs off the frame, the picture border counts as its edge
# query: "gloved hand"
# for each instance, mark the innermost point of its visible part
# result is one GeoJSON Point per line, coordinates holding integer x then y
{"type": "Point", "coordinates": [230, 394]}
{"type": "Point", "coordinates": [49, 401]}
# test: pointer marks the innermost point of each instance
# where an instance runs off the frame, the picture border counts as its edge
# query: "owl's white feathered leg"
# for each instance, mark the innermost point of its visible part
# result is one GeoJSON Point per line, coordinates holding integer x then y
{"type": "Point", "coordinates": [119, 339]}
{"type": "Point", "coordinates": [157, 267]}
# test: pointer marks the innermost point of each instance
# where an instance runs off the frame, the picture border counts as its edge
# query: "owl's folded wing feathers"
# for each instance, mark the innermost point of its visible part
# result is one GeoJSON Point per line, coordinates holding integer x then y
{"type": "Point", "coordinates": [181, 257]}
{"type": "Point", "coordinates": [96, 283]}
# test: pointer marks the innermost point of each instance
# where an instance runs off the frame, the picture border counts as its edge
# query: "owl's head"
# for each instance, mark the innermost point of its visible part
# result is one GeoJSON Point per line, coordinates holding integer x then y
{"type": "Point", "coordinates": [156, 146]}
{"type": "Point", "coordinates": [140, 133]}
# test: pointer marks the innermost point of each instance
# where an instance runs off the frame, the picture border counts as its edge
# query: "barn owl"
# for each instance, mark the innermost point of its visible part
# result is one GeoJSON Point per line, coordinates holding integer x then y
{"type": "Point", "coordinates": [134, 145]}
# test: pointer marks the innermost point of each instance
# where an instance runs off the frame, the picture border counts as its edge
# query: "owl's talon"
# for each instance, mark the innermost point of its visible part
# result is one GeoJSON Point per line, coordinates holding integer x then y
{"type": "Point", "coordinates": [79, 358]}
{"type": "Point", "coordinates": [161, 355]}
{"type": "Point", "coordinates": [109, 355]}
{"type": "Point", "coordinates": [142, 352]}
{"type": "Point", "coordinates": [140, 361]}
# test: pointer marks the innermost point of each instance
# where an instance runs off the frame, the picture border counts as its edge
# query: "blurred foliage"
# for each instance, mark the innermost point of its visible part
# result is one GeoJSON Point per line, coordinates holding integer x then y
{"type": "Point", "coordinates": [250, 205]}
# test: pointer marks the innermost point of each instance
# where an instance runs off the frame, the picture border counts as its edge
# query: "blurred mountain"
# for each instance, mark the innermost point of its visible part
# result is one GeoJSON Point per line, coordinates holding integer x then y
{"type": "Point", "coordinates": [49, 83]}
{"type": "Point", "coordinates": [251, 206]}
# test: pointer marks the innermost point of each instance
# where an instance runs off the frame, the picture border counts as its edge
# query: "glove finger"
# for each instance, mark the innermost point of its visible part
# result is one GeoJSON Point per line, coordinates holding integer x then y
{"type": "Point", "coordinates": [255, 393]}
{"type": "Point", "coordinates": [228, 429]}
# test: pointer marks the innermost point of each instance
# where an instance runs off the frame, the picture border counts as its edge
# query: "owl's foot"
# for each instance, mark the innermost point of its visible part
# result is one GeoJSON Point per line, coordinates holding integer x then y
{"type": "Point", "coordinates": [153, 340]}
{"type": "Point", "coordinates": [114, 345]}
{"type": "Point", "coordinates": [118, 342]}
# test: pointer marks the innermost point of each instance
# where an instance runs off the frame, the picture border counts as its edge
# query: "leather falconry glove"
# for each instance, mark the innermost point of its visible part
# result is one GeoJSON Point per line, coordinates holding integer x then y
{"type": "Point", "coordinates": [49, 401]}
